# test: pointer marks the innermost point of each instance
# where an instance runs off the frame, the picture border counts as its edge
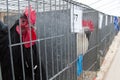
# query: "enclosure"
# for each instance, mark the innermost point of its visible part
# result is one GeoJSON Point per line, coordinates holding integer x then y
{"type": "Point", "coordinates": [72, 39]}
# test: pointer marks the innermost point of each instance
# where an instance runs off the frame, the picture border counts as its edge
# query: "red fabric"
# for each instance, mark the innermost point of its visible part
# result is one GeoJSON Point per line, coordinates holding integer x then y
{"type": "Point", "coordinates": [32, 14]}
{"type": "Point", "coordinates": [26, 35]}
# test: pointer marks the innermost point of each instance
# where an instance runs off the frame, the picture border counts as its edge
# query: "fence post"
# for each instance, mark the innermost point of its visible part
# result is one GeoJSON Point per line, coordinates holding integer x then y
{"type": "Point", "coordinates": [98, 44]}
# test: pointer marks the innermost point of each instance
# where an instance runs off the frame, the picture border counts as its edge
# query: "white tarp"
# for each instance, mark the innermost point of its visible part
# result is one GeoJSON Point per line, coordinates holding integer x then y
{"type": "Point", "coordinates": [110, 7]}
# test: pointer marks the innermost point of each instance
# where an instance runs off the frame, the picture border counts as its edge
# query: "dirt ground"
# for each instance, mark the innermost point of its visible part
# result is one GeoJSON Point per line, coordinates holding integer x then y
{"type": "Point", "coordinates": [87, 75]}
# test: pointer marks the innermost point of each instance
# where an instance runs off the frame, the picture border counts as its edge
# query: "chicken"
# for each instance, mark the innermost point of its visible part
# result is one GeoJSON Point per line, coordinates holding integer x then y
{"type": "Point", "coordinates": [16, 51]}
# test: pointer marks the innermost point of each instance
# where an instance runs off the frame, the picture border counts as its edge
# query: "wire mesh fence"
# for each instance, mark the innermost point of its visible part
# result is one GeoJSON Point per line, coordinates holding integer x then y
{"type": "Point", "coordinates": [45, 40]}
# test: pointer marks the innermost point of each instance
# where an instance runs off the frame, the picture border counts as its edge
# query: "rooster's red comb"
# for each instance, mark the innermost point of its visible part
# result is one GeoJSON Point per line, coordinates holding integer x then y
{"type": "Point", "coordinates": [29, 11]}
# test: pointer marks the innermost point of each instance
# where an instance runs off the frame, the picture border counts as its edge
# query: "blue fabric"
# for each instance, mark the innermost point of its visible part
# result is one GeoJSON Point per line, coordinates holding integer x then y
{"type": "Point", "coordinates": [79, 65]}
{"type": "Point", "coordinates": [116, 23]}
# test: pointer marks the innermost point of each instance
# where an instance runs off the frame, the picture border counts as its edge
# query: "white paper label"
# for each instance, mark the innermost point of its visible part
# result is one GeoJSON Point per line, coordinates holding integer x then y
{"type": "Point", "coordinates": [106, 20]}
{"type": "Point", "coordinates": [76, 19]}
{"type": "Point", "coordinates": [100, 20]}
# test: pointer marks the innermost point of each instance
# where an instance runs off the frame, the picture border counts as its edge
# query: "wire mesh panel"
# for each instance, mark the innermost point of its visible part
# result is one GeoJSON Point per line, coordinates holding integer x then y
{"type": "Point", "coordinates": [90, 63]}
{"type": "Point", "coordinates": [107, 33]}
{"type": "Point", "coordinates": [57, 32]}
{"type": "Point", "coordinates": [99, 40]}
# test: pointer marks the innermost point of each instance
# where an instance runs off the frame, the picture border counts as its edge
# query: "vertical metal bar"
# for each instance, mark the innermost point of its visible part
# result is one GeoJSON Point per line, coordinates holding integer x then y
{"type": "Point", "coordinates": [83, 49]}
{"type": "Point", "coordinates": [52, 41]}
{"type": "Point", "coordinates": [55, 5]}
{"type": "Point", "coordinates": [72, 28]}
{"type": "Point", "coordinates": [45, 43]}
{"type": "Point", "coordinates": [65, 44]}
{"type": "Point", "coordinates": [59, 4]}
{"type": "Point", "coordinates": [39, 50]}
{"type": "Point", "coordinates": [82, 52]}
{"type": "Point", "coordinates": [72, 8]}
{"type": "Point", "coordinates": [83, 75]}
{"type": "Point", "coordinates": [63, 4]}
{"type": "Point", "coordinates": [97, 43]}
{"type": "Point", "coordinates": [9, 35]}
{"type": "Point", "coordinates": [61, 57]}
{"type": "Point", "coordinates": [30, 40]}
{"type": "Point", "coordinates": [23, 69]}
{"type": "Point", "coordinates": [98, 47]}
{"type": "Point", "coordinates": [68, 41]}
{"type": "Point", "coordinates": [56, 39]}
{"type": "Point", "coordinates": [71, 39]}
{"type": "Point", "coordinates": [57, 46]}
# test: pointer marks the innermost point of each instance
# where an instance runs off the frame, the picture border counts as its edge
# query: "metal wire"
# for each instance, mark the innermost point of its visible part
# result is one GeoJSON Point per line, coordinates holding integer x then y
{"type": "Point", "coordinates": [23, 69]}
{"type": "Point", "coordinates": [72, 8]}
{"type": "Point", "coordinates": [65, 46]}
{"type": "Point", "coordinates": [56, 41]}
{"type": "Point", "coordinates": [53, 72]}
{"type": "Point", "coordinates": [45, 44]}
{"type": "Point", "coordinates": [42, 39]}
{"type": "Point", "coordinates": [31, 51]}
{"type": "Point", "coordinates": [39, 44]}
{"type": "Point", "coordinates": [68, 44]}
{"type": "Point", "coordinates": [11, 55]}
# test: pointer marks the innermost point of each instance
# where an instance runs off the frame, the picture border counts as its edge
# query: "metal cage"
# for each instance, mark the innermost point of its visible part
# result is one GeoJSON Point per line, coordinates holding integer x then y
{"type": "Point", "coordinates": [61, 39]}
